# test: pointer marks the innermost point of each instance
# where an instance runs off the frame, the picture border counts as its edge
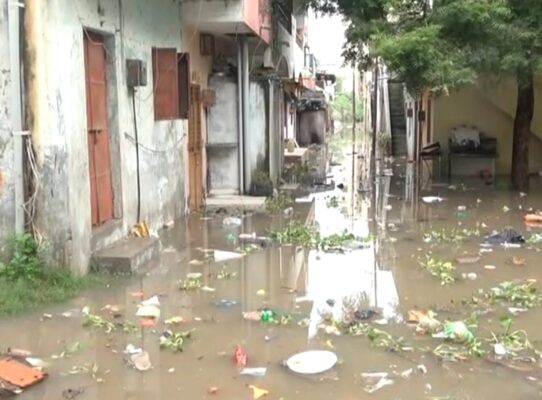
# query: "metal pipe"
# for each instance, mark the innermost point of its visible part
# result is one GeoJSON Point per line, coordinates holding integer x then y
{"type": "Point", "coordinates": [16, 111]}
{"type": "Point", "coordinates": [246, 114]}
{"type": "Point", "coordinates": [240, 119]}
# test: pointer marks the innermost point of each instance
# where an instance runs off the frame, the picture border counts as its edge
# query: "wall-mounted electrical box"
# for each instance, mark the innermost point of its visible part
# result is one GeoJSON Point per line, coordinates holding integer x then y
{"type": "Point", "coordinates": [136, 73]}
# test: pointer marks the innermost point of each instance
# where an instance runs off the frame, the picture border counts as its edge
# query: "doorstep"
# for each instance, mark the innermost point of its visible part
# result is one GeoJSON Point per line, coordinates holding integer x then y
{"type": "Point", "coordinates": [234, 203]}
{"type": "Point", "coordinates": [127, 256]}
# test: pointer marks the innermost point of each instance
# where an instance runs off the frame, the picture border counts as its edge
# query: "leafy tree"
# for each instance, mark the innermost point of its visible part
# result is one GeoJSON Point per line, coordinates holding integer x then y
{"type": "Point", "coordinates": [342, 105]}
{"type": "Point", "coordinates": [449, 44]}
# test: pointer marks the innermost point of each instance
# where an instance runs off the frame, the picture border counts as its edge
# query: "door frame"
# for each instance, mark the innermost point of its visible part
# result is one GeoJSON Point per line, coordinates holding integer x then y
{"type": "Point", "coordinates": [196, 193]}
{"type": "Point", "coordinates": [112, 96]}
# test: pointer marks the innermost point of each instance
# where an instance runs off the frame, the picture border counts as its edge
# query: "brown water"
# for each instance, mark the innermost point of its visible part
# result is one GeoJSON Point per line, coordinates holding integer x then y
{"type": "Point", "coordinates": [387, 276]}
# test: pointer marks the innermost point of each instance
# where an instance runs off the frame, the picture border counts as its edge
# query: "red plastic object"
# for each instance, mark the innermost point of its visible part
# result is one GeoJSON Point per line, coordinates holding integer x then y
{"type": "Point", "coordinates": [19, 374]}
{"type": "Point", "coordinates": [240, 357]}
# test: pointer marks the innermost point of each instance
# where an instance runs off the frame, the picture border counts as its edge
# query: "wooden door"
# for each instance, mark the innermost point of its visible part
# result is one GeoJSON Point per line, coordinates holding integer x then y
{"type": "Point", "coordinates": [195, 149]}
{"type": "Point", "coordinates": [99, 159]}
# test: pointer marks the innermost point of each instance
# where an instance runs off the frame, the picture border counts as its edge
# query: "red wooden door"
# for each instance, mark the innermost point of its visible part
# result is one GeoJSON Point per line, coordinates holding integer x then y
{"type": "Point", "coordinates": [101, 190]}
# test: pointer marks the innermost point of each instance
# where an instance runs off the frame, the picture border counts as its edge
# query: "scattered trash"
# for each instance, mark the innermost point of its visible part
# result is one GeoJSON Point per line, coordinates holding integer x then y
{"type": "Point", "coordinates": [422, 368]}
{"type": "Point", "coordinates": [258, 393]}
{"type": "Point", "coordinates": [375, 375]}
{"type": "Point", "coordinates": [141, 229]}
{"type": "Point", "coordinates": [499, 349]}
{"type": "Point", "coordinates": [68, 351]}
{"type": "Point", "coordinates": [16, 375]}
{"type": "Point", "coordinates": [171, 370]}
{"type": "Point", "coordinates": [432, 199]}
{"type": "Point", "coordinates": [222, 256]}
{"type": "Point", "coordinates": [517, 310]}
{"type": "Point", "coordinates": [232, 221]}
{"type": "Point", "coordinates": [212, 390]}
{"type": "Point", "coordinates": [208, 289]}
{"type": "Point", "coordinates": [240, 357]}
{"type": "Point", "coordinates": [426, 321]}
{"type": "Point", "coordinates": [138, 295]}
{"type": "Point", "coordinates": [506, 236]}
{"type": "Point", "coordinates": [196, 262]}
{"type": "Point", "coordinates": [175, 340]}
{"type": "Point", "coordinates": [191, 282]}
{"type": "Point", "coordinates": [533, 218]}
{"type": "Point", "coordinates": [519, 261]}
{"type": "Point", "coordinates": [252, 316]}
{"type": "Point", "coordinates": [312, 362]}
{"type": "Point", "coordinates": [490, 267]}
{"type": "Point", "coordinates": [149, 311]}
{"type": "Point", "coordinates": [468, 259]}
{"type": "Point", "coordinates": [174, 321]}
{"type": "Point", "coordinates": [259, 372]}
{"type": "Point", "coordinates": [363, 315]}
{"type": "Point", "coordinates": [456, 331]}
{"type": "Point", "coordinates": [71, 394]}
{"type": "Point", "coordinates": [261, 292]}
{"type": "Point", "coordinates": [472, 276]}
{"type": "Point", "coordinates": [141, 361]}
{"type": "Point", "coordinates": [114, 310]}
{"type": "Point", "coordinates": [226, 303]}
{"type": "Point", "coordinates": [461, 208]}
{"type": "Point", "coordinates": [131, 349]}
{"type": "Point", "coordinates": [506, 209]}
{"type": "Point", "coordinates": [381, 383]}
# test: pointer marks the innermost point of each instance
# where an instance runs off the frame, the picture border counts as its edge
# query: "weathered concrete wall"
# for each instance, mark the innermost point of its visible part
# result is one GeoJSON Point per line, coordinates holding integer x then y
{"type": "Point", "coordinates": [312, 127]}
{"type": "Point", "coordinates": [7, 208]}
{"type": "Point", "coordinates": [255, 138]}
{"type": "Point", "coordinates": [131, 28]}
{"type": "Point", "coordinates": [223, 138]}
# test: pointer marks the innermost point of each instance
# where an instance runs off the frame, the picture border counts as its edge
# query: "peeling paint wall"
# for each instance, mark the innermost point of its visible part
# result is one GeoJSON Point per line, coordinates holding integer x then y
{"type": "Point", "coordinates": [7, 197]}
{"type": "Point", "coordinates": [223, 150]}
{"type": "Point", "coordinates": [256, 137]}
{"type": "Point", "coordinates": [131, 28]}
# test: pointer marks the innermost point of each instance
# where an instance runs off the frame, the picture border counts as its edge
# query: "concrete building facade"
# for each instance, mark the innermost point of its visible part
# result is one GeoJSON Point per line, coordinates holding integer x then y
{"type": "Point", "coordinates": [75, 48]}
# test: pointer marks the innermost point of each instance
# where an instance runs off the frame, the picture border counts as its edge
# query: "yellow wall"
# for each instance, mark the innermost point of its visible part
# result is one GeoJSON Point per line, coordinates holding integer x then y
{"type": "Point", "coordinates": [491, 108]}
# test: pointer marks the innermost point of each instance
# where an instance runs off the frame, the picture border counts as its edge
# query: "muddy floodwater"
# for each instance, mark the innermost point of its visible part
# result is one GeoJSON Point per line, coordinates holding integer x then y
{"type": "Point", "coordinates": [385, 276]}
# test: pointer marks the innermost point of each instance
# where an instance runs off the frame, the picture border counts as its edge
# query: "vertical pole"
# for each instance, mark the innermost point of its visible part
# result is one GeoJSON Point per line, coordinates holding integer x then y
{"type": "Point", "coordinates": [374, 183]}
{"type": "Point", "coordinates": [246, 116]}
{"type": "Point", "coordinates": [16, 111]}
{"type": "Point", "coordinates": [353, 138]}
{"type": "Point", "coordinates": [240, 118]}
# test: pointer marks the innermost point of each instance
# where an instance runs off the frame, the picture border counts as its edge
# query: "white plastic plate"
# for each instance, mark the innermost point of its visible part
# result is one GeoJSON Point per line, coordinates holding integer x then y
{"type": "Point", "coordinates": [312, 362]}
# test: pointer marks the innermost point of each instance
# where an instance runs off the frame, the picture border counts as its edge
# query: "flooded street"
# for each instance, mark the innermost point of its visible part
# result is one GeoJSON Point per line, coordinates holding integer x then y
{"type": "Point", "coordinates": [384, 275]}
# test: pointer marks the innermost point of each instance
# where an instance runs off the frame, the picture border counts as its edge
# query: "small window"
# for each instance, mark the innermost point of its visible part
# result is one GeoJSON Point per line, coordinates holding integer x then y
{"type": "Point", "coordinates": [165, 84]}
{"type": "Point", "coordinates": [183, 64]}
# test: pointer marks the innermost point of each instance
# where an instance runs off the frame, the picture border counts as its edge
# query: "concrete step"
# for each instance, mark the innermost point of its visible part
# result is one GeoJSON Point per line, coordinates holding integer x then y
{"type": "Point", "coordinates": [126, 256]}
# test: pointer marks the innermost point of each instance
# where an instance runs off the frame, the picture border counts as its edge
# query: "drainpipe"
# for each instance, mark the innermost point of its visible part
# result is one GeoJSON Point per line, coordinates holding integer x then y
{"type": "Point", "coordinates": [240, 119]}
{"type": "Point", "coordinates": [16, 110]}
{"type": "Point", "coordinates": [35, 71]}
{"type": "Point", "coordinates": [246, 115]}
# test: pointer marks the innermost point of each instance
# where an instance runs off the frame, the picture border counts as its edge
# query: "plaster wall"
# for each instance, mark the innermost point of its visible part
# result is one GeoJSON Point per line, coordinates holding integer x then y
{"type": "Point", "coordinates": [131, 29]}
{"type": "Point", "coordinates": [223, 138]}
{"type": "Point", "coordinates": [7, 196]}
{"type": "Point", "coordinates": [256, 137]}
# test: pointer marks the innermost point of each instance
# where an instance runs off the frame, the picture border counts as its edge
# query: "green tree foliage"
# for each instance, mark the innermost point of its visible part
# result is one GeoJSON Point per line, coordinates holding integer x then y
{"type": "Point", "coordinates": [449, 45]}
